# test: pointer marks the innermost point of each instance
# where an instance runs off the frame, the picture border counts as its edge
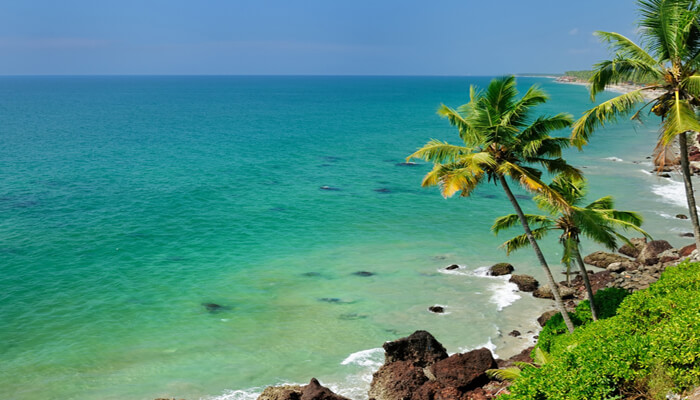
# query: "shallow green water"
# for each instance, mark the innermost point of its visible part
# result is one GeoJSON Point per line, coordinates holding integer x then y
{"type": "Point", "coordinates": [128, 202]}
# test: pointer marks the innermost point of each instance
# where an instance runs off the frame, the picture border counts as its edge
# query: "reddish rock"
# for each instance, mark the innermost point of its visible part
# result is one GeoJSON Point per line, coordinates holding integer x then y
{"type": "Point", "coordinates": [463, 371]}
{"type": "Point", "coordinates": [287, 392]}
{"type": "Point", "coordinates": [314, 391]}
{"type": "Point", "coordinates": [523, 356]}
{"type": "Point", "coordinates": [398, 380]}
{"type": "Point", "coordinates": [421, 349]}
{"type": "Point", "coordinates": [427, 391]}
{"type": "Point", "coordinates": [685, 251]}
{"type": "Point", "coordinates": [650, 253]}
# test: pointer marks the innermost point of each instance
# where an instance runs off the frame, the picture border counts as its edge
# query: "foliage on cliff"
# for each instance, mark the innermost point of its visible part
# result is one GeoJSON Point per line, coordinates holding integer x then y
{"type": "Point", "coordinates": [651, 347]}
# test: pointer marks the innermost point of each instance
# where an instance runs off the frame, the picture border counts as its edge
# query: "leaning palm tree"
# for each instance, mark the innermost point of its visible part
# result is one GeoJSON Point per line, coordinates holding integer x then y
{"type": "Point", "coordinates": [501, 140]}
{"type": "Point", "coordinates": [599, 221]}
{"type": "Point", "coordinates": [670, 56]}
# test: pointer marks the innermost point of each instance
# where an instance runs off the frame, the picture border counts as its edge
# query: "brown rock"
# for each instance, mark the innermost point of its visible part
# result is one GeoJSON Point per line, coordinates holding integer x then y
{"type": "Point", "coordinates": [681, 216]}
{"type": "Point", "coordinates": [542, 319]}
{"type": "Point", "coordinates": [602, 259]}
{"type": "Point", "coordinates": [525, 283]}
{"type": "Point", "coordinates": [668, 256]}
{"type": "Point", "coordinates": [685, 251]}
{"type": "Point", "coordinates": [451, 267]}
{"type": "Point", "coordinates": [314, 391]}
{"type": "Point", "coordinates": [514, 333]}
{"type": "Point", "coordinates": [436, 309]}
{"type": "Point", "coordinates": [650, 253]}
{"type": "Point", "coordinates": [633, 251]}
{"type": "Point", "coordinates": [427, 391]}
{"type": "Point", "coordinates": [449, 393]}
{"type": "Point", "coordinates": [396, 381]}
{"type": "Point", "coordinates": [421, 349]}
{"type": "Point", "coordinates": [501, 269]}
{"type": "Point", "coordinates": [287, 392]}
{"type": "Point", "coordinates": [464, 371]}
{"type": "Point", "coordinates": [523, 356]}
{"type": "Point", "coordinates": [544, 292]}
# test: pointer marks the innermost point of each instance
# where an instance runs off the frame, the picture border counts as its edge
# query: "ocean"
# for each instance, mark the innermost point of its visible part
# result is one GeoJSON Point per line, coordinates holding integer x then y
{"type": "Point", "coordinates": [205, 237]}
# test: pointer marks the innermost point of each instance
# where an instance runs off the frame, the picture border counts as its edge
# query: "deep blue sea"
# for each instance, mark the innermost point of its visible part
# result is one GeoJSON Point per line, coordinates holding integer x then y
{"type": "Point", "coordinates": [129, 203]}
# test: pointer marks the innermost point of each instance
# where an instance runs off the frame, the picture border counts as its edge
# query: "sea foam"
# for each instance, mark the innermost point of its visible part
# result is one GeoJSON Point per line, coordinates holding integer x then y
{"type": "Point", "coordinates": [672, 192]}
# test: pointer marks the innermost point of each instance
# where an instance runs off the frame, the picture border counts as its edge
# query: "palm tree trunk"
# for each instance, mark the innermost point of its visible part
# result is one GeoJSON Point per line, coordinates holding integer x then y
{"type": "Point", "coordinates": [586, 283]}
{"type": "Point", "coordinates": [689, 195]}
{"type": "Point", "coordinates": [538, 252]}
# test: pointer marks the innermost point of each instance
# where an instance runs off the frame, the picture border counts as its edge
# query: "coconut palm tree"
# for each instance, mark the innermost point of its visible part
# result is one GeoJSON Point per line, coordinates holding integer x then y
{"type": "Point", "coordinates": [501, 140]}
{"type": "Point", "coordinates": [599, 221]}
{"type": "Point", "coordinates": [669, 55]}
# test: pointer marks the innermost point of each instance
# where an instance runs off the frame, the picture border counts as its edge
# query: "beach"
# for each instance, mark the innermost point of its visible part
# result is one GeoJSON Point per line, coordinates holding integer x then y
{"type": "Point", "coordinates": [133, 203]}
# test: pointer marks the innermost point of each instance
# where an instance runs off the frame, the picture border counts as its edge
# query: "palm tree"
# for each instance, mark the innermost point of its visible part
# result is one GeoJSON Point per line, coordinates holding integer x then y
{"type": "Point", "coordinates": [599, 221]}
{"type": "Point", "coordinates": [501, 140]}
{"type": "Point", "coordinates": [670, 56]}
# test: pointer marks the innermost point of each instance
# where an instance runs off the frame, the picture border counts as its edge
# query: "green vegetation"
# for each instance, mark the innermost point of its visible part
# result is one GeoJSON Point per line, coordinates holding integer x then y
{"type": "Point", "coordinates": [670, 54]}
{"type": "Point", "coordinates": [586, 75]}
{"type": "Point", "coordinates": [599, 221]}
{"type": "Point", "coordinates": [651, 347]}
{"type": "Point", "coordinates": [501, 140]}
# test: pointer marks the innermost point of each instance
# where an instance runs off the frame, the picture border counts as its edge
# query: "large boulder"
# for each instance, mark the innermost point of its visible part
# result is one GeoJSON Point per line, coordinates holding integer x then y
{"type": "Point", "coordinates": [463, 371]}
{"type": "Point", "coordinates": [650, 253]}
{"type": "Point", "coordinates": [398, 380]}
{"type": "Point", "coordinates": [669, 255]}
{"type": "Point", "coordinates": [685, 251]}
{"type": "Point", "coordinates": [501, 269]}
{"type": "Point", "coordinates": [421, 349]}
{"type": "Point", "coordinates": [312, 391]}
{"type": "Point", "coordinates": [602, 259]}
{"type": "Point", "coordinates": [542, 319]}
{"type": "Point", "coordinates": [525, 283]}
{"type": "Point", "coordinates": [544, 292]}
{"type": "Point", "coordinates": [633, 251]}
{"type": "Point", "coordinates": [622, 266]}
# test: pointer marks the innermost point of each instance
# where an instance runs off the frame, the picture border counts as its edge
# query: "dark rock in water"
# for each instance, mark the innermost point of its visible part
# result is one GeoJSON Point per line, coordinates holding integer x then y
{"type": "Point", "coordinates": [420, 348]}
{"type": "Point", "coordinates": [331, 158]}
{"type": "Point", "coordinates": [665, 175]}
{"type": "Point", "coordinates": [514, 333]}
{"type": "Point", "coordinates": [213, 307]}
{"type": "Point", "coordinates": [501, 269]}
{"type": "Point", "coordinates": [463, 371]}
{"type": "Point", "coordinates": [397, 380]}
{"type": "Point", "coordinates": [278, 209]}
{"type": "Point", "coordinates": [363, 273]}
{"type": "Point", "coordinates": [488, 196]}
{"type": "Point", "coordinates": [523, 197]}
{"type": "Point", "coordinates": [681, 216]}
{"type": "Point", "coordinates": [311, 274]}
{"type": "Point", "coordinates": [452, 267]}
{"type": "Point", "coordinates": [326, 165]}
{"type": "Point", "coordinates": [351, 316]}
{"type": "Point", "coordinates": [687, 234]}
{"type": "Point", "coordinates": [407, 164]}
{"type": "Point", "coordinates": [330, 188]}
{"type": "Point", "coordinates": [330, 300]}
{"type": "Point", "coordinates": [542, 319]}
{"type": "Point", "coordinates": [436, 309]}
{"type": "Point", "coordinates": [650, 253]}
{"type": "Point", "coordinates": [525, 283]}
{"type": "Point", "coordinates": [382, 190]}
{"type": "Point", "coordinates": [630, 251]}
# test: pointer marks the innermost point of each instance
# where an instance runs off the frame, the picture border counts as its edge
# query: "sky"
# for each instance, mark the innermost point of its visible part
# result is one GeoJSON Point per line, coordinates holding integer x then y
{"type": "Point", "coordinates": [306, 37]}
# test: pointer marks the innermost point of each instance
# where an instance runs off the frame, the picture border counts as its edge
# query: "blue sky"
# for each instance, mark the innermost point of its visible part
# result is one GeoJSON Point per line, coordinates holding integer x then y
{"type": "Point", "coordinates": [317, 37]}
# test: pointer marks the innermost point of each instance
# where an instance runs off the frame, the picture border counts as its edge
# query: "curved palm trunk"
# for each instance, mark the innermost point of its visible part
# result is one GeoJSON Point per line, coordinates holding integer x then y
{"type": "Point", "coordinates": [538, 252]}
{"type": "Point", "coordinates": [586, 283]}
{"type": "Point", "coordinates": [689, 195]}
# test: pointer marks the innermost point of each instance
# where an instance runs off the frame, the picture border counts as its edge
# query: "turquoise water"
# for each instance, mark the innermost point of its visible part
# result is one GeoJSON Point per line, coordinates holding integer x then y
{"type": "Point", "coordinates": [129, 202]}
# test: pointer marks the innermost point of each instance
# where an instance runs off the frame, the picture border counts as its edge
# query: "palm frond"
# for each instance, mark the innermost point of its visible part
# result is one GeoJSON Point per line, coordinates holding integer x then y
{"type": "Point", "coordinates": [680, 118]}
{"type": "Point", "coordinates": [522, 241]}
{"type": "Point", "coordinates": [469, 135]}
{"type": "Point", "coordinates": [439, 152]}
{"type": "Point", "coordinates": [692, 85]}
{"type": "Point", "coordinates": [504, 374]}
{"type": "Point", "coordinates": [627, 48]}
{"type": "Point", "coordinates": [603, 113]}
{"type": "Point", "coordinates": [541, 357]}
{"type": "Point", "coordinates": [619, 69]}
{"type": "Point", "coordinates": [511, 220]}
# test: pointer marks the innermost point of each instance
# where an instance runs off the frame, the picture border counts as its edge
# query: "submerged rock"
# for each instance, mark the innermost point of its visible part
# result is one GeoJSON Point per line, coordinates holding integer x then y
{"type": "Point", "coordinates": [382, 190]}
{"type": "Point", "coordinates": [213, 307]}
{"type": "Point", "coordinates": [501, 269]}
{"type": "Point", "coordinates": [514, 333]}
{"type": "Point", "coordinates": [363, 273]}
{"type": "Point", "coordinates": [525, 283]}
{"type": "Point", "coordinates": [681, 216]}
{"type": "Point", "coordinates": [407, 164]}
{"type": "Point", "coordinates": [452, 267]}
{"type": "Point", "coordinates": [330, 188]}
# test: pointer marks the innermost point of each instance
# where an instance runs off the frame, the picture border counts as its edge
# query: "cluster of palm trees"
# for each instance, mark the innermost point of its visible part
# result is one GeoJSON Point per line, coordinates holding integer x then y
{"type": "Point", "coordinates": [501, 139]}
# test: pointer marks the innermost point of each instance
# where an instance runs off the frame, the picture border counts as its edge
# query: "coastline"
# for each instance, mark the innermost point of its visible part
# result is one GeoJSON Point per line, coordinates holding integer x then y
{"type": "Point", "coordinates": [621, 88]}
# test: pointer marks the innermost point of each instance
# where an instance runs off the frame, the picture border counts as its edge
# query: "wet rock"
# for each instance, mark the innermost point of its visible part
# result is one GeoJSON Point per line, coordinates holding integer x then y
{"type": "Point", "coordinates": [501, 269]}
{"type": "Point", "coordinates": [542, 319]}
{"type": "Point", "coordinates": [330, 188]}
{"type": "Point", "coordinates": [514, 333]}
{"type": "Point", "coordinates": [351, 316]}
{"type": "Point", "coordinates": [363, 273]}
{"type": "Point", "coordinates": [633, 251]}
{"type": "Point", "coordinates": [602, 259]}
{"type": "Point", "coordinates": [420, 348]}
{"type": "Point", "coordinates": [287, 392]}
{"type": "Point", "coordinates": [665, 175]}
{"type": "Point", "coordinates": [436, 309]}
{"type": "Point", "coordinates": [396, 381]}
{"type": "Point", "coordinates": [544, 292]}
{"type": "Point", "coordinates": [452, 267]}
{"type": "Point", "coordinates": [330, 300]}
{"type": "Point", "coordinates": [650, 253]}
{"type": "Point", "coordinates": [407, 164]}
{"type": "Point", "coordinates": [382, 190]}
{"type": "Point", "coordinates": [213, 307]}
{"type": "Point", "coordinates": [525, 283]}
{"type": "Point", "coordinates": [681, 216]}
{"type": "Point", "coordinates": [687, 234]}
{"type": "Point", "coordinates": [464, 371]}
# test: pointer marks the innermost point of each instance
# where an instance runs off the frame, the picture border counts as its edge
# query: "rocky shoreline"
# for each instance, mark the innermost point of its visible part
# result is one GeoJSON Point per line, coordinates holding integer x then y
{"type": "Point", "coordinates": [418, 367]}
